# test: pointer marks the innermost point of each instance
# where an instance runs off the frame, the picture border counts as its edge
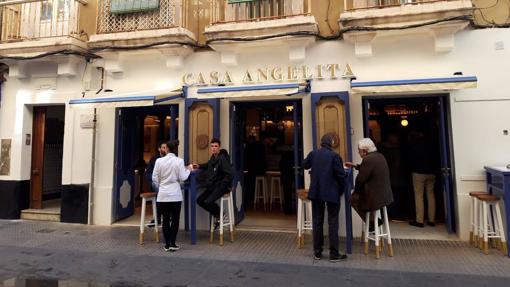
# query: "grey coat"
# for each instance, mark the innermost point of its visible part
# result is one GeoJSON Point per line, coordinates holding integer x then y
{"type": "Point", "coordinates": [373, 182]}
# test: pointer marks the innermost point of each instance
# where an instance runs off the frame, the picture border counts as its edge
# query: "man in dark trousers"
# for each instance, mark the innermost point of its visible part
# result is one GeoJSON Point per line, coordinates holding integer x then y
{"type": "Point", "coordinates": [215, 179]}
{"type": "Point", "coordinates": [326, 188]}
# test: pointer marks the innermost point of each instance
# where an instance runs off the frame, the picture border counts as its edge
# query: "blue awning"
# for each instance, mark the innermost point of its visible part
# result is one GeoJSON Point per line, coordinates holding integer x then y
{"type": "Point", "coordinates": [414, 85]}
{"type": "Point", "coordinates": [286, 89]}
{"type": "Point", "coordinates": [128, 100]}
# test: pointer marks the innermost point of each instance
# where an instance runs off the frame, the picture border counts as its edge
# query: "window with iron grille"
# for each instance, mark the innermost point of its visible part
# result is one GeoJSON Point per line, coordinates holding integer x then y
{"type": "Point", "coordinates": [132, 6]}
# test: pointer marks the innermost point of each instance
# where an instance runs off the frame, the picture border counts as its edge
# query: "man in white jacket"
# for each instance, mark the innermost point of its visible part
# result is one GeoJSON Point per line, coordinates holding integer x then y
{"type": "Point", "coordinates": [168, 172]}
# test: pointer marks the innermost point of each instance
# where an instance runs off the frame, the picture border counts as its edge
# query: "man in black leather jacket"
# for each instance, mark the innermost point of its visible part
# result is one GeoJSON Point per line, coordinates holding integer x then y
{"type": "Point", "coordinates": [215, 179]}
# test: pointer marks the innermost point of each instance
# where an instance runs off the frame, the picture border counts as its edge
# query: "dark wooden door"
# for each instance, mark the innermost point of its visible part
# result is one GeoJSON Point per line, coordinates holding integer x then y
{"type": "Point", "coordinates": [36, 177]}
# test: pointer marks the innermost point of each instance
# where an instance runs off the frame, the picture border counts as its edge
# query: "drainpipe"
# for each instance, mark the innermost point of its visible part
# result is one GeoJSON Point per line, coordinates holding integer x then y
{"type": "Point", "coordinates": [93, 159]}
{"type": "Point", "coordinates": [92, 167]}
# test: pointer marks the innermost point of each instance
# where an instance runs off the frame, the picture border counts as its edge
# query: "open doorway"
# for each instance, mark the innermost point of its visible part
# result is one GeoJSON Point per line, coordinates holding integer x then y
{"type": "Point", "coordinates": [266, 147]}
{"type": "Point", "coordinates": [139, 132]}
{"type": "Point", "coordinates": [412, 134]}
{"type": "Point", "coordinates": [46, 166]}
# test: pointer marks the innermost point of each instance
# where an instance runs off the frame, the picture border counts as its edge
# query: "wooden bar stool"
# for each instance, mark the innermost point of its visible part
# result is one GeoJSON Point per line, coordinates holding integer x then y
{"type": "Point", "coordinates": [260, 191]}
{"type": "Point", "coordinates": [491, 225]}
{"type": "Point", "coordinates": [274, 181]}
{"type": "Point", "coordinates": [149, 196]}
{"type": "Point", "coordinates": [378, 234]}
{"type": "Point", "coordinates": [304, 216]}
{"type": "Point", "coordinates": [227, 217]}
{"type": "Point", "coordinates": [473, 234]}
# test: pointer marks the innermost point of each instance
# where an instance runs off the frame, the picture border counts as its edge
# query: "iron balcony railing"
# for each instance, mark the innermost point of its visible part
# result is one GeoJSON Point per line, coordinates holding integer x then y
{"type": "Point", "coordinates": [375, 4]}
{"type": "Point", "coordinates": [25, 20]}
{"type": "Point", "coordinates": [166, 14]}
{"type": "Point", "coordinates": [256, 10]}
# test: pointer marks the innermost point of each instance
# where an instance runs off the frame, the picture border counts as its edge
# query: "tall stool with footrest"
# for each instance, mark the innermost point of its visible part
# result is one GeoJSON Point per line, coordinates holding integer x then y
{"type": "Point", "coordinates": [227, 217]}
{"type": "Point", "coordinates": [378, 234]}
{"type": "Point", "coordinates": [149, 196]}
{"type": "Point", "coordinates": [304, 216]}
{"type": "Point", "coordinates": [491, 223]}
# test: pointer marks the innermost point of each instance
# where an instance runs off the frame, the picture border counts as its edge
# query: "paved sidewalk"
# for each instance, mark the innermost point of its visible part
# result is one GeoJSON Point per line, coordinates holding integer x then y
{"type": "Point", "coordinates": [439, 257]}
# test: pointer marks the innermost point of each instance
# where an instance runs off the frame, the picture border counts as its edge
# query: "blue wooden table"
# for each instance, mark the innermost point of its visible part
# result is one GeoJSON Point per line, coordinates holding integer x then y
{"type": "Point", "coordinates": [498, 183]}
{"type": "Point", "coordinates": [190, 206]}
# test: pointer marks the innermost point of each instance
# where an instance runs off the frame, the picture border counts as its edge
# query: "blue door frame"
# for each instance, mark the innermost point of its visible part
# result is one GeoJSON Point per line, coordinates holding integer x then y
{"type": "Point", "coordinates": [445, 147]}
{"type": "Point", "coordinates": [237, 154]}
{"type": "Point", "coordinates": [344, 97]}
{"type": "Point", "coordinates": [128, 131]}
{"type": "Point", "coordinates": [191, 188]}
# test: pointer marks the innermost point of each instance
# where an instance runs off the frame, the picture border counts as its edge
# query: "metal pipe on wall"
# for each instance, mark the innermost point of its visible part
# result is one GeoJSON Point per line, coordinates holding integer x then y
{"type": "Point", "coordinates": [92, 168]}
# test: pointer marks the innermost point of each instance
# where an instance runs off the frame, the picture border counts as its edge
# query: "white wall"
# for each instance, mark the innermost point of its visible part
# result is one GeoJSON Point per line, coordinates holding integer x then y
{"type": "Point", "coordinates": [478, 116]}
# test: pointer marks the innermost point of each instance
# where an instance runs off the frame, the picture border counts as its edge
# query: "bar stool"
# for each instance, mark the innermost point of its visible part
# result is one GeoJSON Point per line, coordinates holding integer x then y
{"type": "Point", "coordinates": [491, 226]}
{"type": "Point", "coordinates": [275, 182]}
{"type": "Point", "coordinates": [149, 196]}
{"type": "Point", "coordinates": [260, 191]}
{"type": "Point", "coordinates": [379, 233]}
{"type": "Point", "coordinates": [473, 234]}
{"type": "Point", "coordinates": [304, 216]}
{"type": "Point", "coordinates": [227, 217]}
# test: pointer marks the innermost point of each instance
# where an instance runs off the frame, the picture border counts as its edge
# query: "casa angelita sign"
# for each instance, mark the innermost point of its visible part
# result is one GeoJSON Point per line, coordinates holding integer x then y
{"type": "Point", "coordinates": [268, 74]}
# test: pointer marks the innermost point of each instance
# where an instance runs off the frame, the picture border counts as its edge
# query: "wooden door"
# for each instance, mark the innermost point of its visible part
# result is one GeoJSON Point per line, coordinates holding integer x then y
{"type": "Point", "coordinates": [331, 119]}
{"type": "Point", "coordinates": [200, 131]}
{"type": "Point", "coordinates": [36, 177]}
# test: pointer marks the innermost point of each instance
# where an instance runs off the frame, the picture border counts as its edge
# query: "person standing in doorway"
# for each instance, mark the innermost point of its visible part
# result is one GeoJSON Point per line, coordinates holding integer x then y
{"type": "Point", "coordinates": [326, 188]}
{"type": "Point", "coordinates": [169, 171]}
{"type": "Point", "coordinates": [215, 179]}
{"type": "Point", "coordinates": [162, 148]}
{"type": "Point", "coordinates": [372, 189]}
{"type": "Point", "coordinates": [423, 163]}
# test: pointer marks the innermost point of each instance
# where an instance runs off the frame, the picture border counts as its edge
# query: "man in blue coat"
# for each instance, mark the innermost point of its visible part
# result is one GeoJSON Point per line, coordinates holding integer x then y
{"type": "Point", "coordinates": [326, 188]}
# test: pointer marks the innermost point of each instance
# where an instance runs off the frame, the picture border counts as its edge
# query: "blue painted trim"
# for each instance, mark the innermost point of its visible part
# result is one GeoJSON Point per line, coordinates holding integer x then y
{"type": "Point", "coordinates": [169, 98]}
{"type": "Point", "coordinates": [247, 88]}
{"type": "Point", "coordinates": [414, 82]}
{"type": "Point", "coordinates": [111, 100]}
{"type": "Point", "coordinates": [344, 97]}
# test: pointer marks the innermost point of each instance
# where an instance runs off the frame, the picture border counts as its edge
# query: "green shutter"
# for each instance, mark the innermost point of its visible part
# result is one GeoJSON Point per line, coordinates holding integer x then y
{"type": "Point", "coordinates": [132, 6]}
{"type": "Point", "coordinates": [239, 1]}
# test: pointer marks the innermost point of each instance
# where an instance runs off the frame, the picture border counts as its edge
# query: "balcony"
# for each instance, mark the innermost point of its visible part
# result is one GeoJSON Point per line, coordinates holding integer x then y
{"type": "Point", "coordinates": [33, 26]}
{"type": "Point", "coordinates": [364, 20]}
{"type": "Point", "coordinates": [265, 22]}
{"type": "Point", "coordinates": [160, 25]}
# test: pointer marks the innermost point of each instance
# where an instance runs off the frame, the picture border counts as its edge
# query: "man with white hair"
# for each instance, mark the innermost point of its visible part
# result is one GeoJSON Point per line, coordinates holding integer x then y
{"type": "Point", "coordinates": [372, 189]}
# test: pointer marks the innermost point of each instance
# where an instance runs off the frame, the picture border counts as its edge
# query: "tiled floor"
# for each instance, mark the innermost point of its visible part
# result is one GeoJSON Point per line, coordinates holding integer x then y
{"type": "Point", "coordinates": [439, 256]}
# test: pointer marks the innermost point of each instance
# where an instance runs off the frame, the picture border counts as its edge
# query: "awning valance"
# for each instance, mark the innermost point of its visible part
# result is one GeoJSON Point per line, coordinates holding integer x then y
{"type": "Point", "coordinates": [128, 100]}
{"type": "Point", "coordinates": [414, 85]}
{"type": "Point", "coordinates": [287, 89]}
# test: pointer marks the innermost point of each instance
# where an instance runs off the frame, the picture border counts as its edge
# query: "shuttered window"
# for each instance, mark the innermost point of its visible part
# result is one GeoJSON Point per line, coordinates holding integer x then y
{"type": "Point", "coordinates": [239, 1]}
{"type": "Point", "coordinates": [132, 6]}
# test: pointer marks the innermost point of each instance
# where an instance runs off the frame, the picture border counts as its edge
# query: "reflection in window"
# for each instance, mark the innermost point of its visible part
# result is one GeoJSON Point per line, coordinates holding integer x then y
{"type": "Point", "coordinates": [46, 11]}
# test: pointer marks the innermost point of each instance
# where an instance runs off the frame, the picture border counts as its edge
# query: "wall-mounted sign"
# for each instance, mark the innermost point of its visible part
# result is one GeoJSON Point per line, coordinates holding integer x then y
{"type": "Point", "coordinates": [5, 157]}
{"type": "Point", "coordinates": [268, 74]}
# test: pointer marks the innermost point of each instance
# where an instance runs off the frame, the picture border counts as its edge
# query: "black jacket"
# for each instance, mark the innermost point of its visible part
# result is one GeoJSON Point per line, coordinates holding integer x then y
{"type": "Point", "coordinates": [217, 170]}
{"type": "Point", "coordinates": [327, 175]}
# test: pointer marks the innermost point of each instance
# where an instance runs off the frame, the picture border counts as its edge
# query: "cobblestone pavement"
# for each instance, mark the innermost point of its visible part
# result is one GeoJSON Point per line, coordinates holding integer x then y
{"type": "Point", "coordinates": [441, 258]}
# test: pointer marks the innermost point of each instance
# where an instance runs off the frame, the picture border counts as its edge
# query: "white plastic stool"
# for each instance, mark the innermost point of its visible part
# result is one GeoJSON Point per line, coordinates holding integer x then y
{"type": "Point", "coordinates": [275, 182]}
{"type": "Point", "coordinates": [379, 233]}
{"type": "Point", "coordinates": [304, 216]}
{"type": "Point", "coordinates": [491, 225]}
{"type": "Point", "coordinates": [473, 234]}
{"type": "Point", "coordinates": [149, 196]}
{"type": "Point", "coordinates": [260, 191]}
{"type": "Point", "coordinates": [227, 217]}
